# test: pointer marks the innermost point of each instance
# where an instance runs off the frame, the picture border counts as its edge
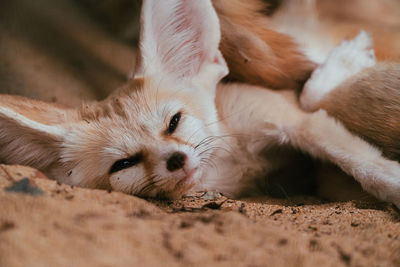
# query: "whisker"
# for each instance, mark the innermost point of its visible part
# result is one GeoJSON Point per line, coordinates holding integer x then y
{"type": "Point", "coordinates": [147, 183]}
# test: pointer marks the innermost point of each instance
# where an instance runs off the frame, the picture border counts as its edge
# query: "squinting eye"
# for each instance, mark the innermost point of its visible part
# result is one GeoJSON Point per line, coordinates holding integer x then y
{"type": "Point", "coordinates": [173, 124]}
{"type": "Point", "coordinates": [126, 163]}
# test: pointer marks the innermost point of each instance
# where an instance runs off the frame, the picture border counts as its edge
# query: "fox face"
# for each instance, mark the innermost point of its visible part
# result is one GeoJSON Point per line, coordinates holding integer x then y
{"type": "Point", "coordinates": [154, 136]}
{"type": "Point", "coordinates": [145, 141]}
{"type": "Point", "coordinates": [163, 154]}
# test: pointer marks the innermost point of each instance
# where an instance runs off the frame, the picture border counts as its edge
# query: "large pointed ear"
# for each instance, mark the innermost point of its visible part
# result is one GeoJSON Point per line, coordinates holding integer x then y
{"type": "Point", "coordinates": [30, 132]}
{"type": "Point", "coordinates": [180, 38]}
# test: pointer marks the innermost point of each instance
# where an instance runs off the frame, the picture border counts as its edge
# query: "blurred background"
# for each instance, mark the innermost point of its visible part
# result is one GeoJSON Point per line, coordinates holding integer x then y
{"type": "Point", "coordinates": [66, 51]}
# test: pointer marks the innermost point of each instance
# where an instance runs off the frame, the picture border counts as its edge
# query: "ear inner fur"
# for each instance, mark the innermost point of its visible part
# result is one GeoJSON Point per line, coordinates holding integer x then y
{"type": "Point", "coordinates": [45, 113]}
{"type": "Point", "coordinates": [24, 141]}
{"type": "Point", "coordinates": [179, 39]}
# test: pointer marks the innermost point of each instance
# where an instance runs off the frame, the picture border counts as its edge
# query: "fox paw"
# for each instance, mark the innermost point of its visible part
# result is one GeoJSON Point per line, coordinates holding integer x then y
{"type": "Point", "coordinates": [382, 179]}
{"type": "Point", "coordinates": [346, 60]}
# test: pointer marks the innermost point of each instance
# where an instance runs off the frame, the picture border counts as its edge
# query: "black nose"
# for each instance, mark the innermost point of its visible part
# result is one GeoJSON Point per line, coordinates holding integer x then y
{"type": "Point", "coordinates": [176, 161]}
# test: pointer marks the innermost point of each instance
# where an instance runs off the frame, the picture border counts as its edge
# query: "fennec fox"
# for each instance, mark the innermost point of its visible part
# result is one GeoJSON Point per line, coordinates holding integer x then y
{"type": "Point", "coordinates": [171, 129]}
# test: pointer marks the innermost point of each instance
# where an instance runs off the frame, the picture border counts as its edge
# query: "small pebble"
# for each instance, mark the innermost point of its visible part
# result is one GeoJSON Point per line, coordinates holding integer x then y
{"type": "Point", "coordinates": [25, 187]}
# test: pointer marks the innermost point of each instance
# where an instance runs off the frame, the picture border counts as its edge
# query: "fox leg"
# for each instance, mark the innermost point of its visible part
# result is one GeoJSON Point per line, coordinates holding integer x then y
{"type": "Point", "coordinates": [346, 60]}
{"type": "Point", "coordinates": [249, 110]}
{"type": "Point", "coordinates": [325, 138]}
{"type": "Point", "coordinates": [363, 95]}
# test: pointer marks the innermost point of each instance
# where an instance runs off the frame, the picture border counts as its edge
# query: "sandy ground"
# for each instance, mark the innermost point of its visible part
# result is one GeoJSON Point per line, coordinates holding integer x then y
{"type": "Point", "coordinates": [66, 226]}
{"type": "Point", "coordinates": [51, 50]}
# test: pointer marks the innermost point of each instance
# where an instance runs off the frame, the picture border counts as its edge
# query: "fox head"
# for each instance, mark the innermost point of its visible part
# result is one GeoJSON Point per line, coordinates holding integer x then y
{"type": "Point", "coordinates": [154, 136]}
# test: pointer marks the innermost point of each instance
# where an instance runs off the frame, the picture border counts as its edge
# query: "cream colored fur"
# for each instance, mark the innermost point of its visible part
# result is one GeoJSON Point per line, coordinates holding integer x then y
{"type": "Point", "coordinates": [224, 132]}
{"type": "Point", "coordinates": [345, 61]}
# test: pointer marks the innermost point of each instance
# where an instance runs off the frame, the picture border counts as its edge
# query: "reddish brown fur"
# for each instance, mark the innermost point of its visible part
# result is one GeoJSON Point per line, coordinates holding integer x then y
{"type": "Point", "coordinates": [254, 52]}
